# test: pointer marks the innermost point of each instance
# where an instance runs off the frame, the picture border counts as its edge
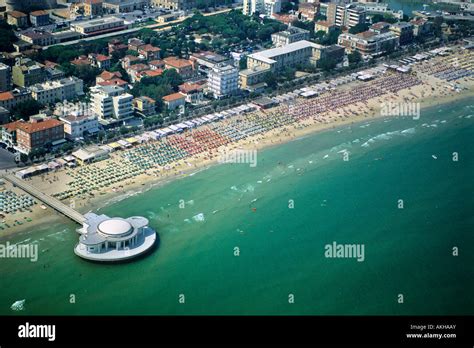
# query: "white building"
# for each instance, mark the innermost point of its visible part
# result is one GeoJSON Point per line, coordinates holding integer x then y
{"type": "Point", "coordinates": [114, 239]}
{"type": "Point", "coordinates": [111, 103]}
{"type": "Point", "coordinates": [290, 35]}
{"type": "Point", "coordinates": [223, 80]}
{"type": "Point", "coordinates": [264, 7]}
{"type": "Point", "coordinates": [58, 90]}
{"type": "Point", "coordinates": [99, 26]}
{"type": "Point", "coordinates": [76, 126]}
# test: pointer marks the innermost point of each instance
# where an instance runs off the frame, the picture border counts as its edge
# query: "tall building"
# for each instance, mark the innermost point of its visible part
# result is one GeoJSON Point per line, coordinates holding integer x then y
{"type": "Point", "coordinates": [5, 78]}
{"type": "Point", "coordinates": [223, 80]}
{"type": "Point", "coordinates": [346, 15]}
{"type": "Point", "coordinates": [111, 103]}
{"type": "Point", "coordinates": [404, 31]}
{"type": "Point", "coordinates": [264, 7]}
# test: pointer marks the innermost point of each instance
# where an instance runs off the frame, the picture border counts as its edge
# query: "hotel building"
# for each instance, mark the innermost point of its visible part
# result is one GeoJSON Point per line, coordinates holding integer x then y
{"type": "Point", "coordinates": [292, 34]}
{"type": "Point", "coordinates": [108, 239]}
{"type": "Point", "coordinates": [369, 42]}
{"type": "Point", "coordinates": [223, 80]}
{"type": "Point", "coordinates": [59, 90]}
{"type": "Point", "coordinates": [76, 126]}
{"type": "Point", "coordinates": [346, 15]}
{"type": "Point", "coordinates": [111, 104]}
{"type": "Point", "coordinates": [265, 7]}
{"type": "Point", "coordinates": [35, 134]}
{"type": "Point", "coordinates": [177, 5]}
{"type": "Point", "coordinates": [404, 31]}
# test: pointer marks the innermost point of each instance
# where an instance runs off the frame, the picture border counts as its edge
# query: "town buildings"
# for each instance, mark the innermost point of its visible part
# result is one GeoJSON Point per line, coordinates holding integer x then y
{"type": "Point", "coordinates": [175, 4]}
{"type": "Point", "coordinates": [58, 90]}
{"type": "Point", "coordinates": [144, 106]}
{"type": "Point", "coordinates": [223, 80]}
{"type": "Point", "coordinates": [205, 61]}
{"type": "Point", "coordinates": [346, 15]}
{"type": "Point", "coordinates": [112, 104]}
{"type": "Point", "coordinates": [17, 18]}
{"type": "Point", "coordinates": [404, 31]}
{"type": "Point", "coordinates": [193, 92]}
{"type": "Point", "coordinates": [369, 42]}
{"type": "Point", "coordinates": [39, 18]}
{"type": "Point", "coordinates": [290, 35]}
{"type": "Point", "coordinates": [27, 72]}
{"type": "Point", "coordinates": [77, 125]}
{"type": "Point", "coordinates": [174, 101]}
{"type": "Point", "coordinates": [183, 67]}
{"type": "Point", "coordinates": [5, 77]}
{"type": "Point", "coordinates": [265, 7]}
{"type": "Point", "coordinates": [98, 26]}
{"type": "Point", "coordinates": [34, 134]}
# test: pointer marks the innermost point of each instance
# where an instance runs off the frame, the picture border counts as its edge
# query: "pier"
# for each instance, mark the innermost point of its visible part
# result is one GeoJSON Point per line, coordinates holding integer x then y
{"type": "Point", "coordinates": [46, 199]}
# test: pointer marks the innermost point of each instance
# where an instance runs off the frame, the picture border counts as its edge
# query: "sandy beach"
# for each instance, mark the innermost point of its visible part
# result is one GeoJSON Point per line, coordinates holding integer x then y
{"type": "Point", "coordinates": [429, 92]}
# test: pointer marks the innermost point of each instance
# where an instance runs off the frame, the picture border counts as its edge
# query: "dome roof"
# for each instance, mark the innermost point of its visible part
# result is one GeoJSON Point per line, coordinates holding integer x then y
{"type": "Point", "coordinates": [115, 227]}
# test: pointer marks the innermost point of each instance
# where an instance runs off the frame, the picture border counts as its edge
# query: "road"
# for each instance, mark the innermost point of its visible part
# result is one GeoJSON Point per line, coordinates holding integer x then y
{"type": "Point", "coordinates": [156, 27]}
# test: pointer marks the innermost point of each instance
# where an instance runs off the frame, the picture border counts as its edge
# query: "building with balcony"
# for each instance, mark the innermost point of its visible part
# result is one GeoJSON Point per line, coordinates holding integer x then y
{"type": "Point", "coordinates": [223, 81]}
{"type": "Point", "coordinates": [112, 104]}
{"type": "Point", "coordinates": [59, 90]}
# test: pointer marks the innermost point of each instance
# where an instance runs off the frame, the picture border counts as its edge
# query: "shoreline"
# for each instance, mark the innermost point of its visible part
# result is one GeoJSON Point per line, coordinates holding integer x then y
{"type": "Point", "coordinates": [422, 93]}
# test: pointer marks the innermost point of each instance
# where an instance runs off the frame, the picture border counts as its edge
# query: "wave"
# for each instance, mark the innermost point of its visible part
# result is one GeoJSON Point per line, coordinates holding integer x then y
{"type": "Point", "coordinates": [199, 217]}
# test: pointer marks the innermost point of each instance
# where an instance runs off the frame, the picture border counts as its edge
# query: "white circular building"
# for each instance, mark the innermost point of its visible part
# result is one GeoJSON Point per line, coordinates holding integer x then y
{"type": "Point", "coordinates": [114, 239]}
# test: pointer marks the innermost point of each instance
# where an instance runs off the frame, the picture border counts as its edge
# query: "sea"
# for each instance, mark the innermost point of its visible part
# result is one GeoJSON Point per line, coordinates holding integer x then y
{"type": "Point", "coordinates": [236, 239]}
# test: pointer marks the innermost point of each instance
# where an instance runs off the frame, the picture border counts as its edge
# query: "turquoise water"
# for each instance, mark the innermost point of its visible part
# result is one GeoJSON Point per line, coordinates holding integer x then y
{"type": "Point", "coordinates": [407, 6]}
{"type": "Point", "coordinates": [407, 251]}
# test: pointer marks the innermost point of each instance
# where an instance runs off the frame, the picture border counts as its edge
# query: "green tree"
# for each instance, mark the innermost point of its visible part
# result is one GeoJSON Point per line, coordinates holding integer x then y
{"type": "Point", "coordinates": [355, 57]}
{"type": "Point", "coordinates": [25, 109]}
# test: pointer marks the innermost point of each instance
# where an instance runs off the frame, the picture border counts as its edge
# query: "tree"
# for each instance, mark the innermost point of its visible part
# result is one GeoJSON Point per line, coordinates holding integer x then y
{"type": "Point", "coordinates": [354, 57]}
{"type": "Point", "coordinates": [23, 158]}
{"type": "Point", "coordinates": [243, 63]}
{"type": "Point", "coordinates": [359, 28]}
{"type": "Point", "coordinates": [25, 109]}
{"type": "Point", "coordinates": [7, 37]}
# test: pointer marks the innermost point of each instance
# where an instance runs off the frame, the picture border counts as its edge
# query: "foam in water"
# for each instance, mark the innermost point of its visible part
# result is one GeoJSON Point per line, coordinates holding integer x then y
{"type": "Point", "coordinates": [199, 217]}
{"type": "Point", "coordinates": [18, 305]}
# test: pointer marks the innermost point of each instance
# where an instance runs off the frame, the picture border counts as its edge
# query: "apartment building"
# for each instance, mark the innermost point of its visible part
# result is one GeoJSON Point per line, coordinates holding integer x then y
{"type": "Point", "coordinates": [10, 99]}
{"type": "Point", "coordinates": [421, 27]}
{"type": "Point", "coordinates": [325, 26]}
{"type": "Point", "coordinates": [404, 31]}
{"type": "Point", "coordinates": [265, 7]}
{"type": "Point", "coordinates": [346, 15]}
{"type": "Point", "coordinates": [184, 67]}
{"type": "Point", "coordinates": [174, 101]}
{"type": "Point", "coordinates": [35, 133]}
{"type": "Point", "coordinates": [39, 38]}
{"type": "Point", "coordinates": [39, 18]}
{"type": "Point", "coordinates": [5, 77]}
{"type": "Point", "coordinates": [223, 80]}
{"type": "Point", "coordinates": [17, 18]}
{"type": "Point", "coordinates": [205, 61]}
{"type": "Point", "coordinates": [193, 92]}
{"type": "Point", "coordinates": [290, 35]}
{"type": "Point", "coordinates": [93, 7]}
{"type": "Point", "coordinates": [27, 72]}
{"type": "Point", "coordinates": [144, 106]}
{"type": "Point", "coordinates": [111, 103]}
{"type": "Point", "coordinates": [369, 43]}
{"type": "Point", "coordinates": [53, 91]}
{"type": "Point", "coordinates": [76, 126]}
{"type": "Point", "coordinates": [300, 52]}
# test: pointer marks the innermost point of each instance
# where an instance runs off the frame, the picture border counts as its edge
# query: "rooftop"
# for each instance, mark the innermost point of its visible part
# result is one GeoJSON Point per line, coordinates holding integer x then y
{"type": "Point", "coordinates": [34, 126]}
{"type": "Point", "coordinates": [39, 13]}
{"type": "Point", "coordinates": [267, 55]}
{"type": "Point", "coordinates": [173, 97]}
{"type": "Point", "coordinates": [16, 14]}
{"type": "Point", "coordinates": [177, 62]}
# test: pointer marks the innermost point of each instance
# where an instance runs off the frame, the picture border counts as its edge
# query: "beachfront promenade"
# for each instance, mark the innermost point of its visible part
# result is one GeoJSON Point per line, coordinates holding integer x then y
{"type": "Point", "coordinates": [46, 199]}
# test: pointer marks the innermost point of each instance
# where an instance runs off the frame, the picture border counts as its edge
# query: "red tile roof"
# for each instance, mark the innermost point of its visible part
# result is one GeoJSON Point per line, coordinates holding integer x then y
{"type": "Point", "coordinates": [6, 96]}
{"type": "Point", "coordinates": [32, 127]}
{"type": "Point", "coordinates": [173, 97]}
{"type": "Point", "coordinates": [177, 62]}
